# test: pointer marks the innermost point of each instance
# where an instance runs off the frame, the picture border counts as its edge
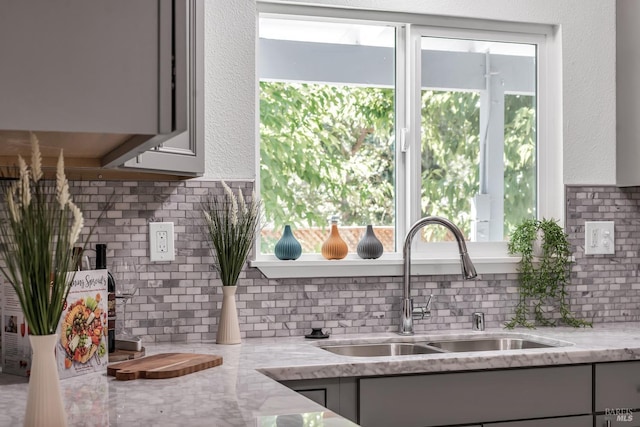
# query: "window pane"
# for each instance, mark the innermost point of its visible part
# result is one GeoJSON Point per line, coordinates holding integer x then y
{"type": "Point", "coordinates": [478, 136]}
{"type": "Point", "coordinates": [450, 152]}
{"type": "Point", "coordinates": [326, 130]}
{"type": "Point", "coordinates": [520, 188]}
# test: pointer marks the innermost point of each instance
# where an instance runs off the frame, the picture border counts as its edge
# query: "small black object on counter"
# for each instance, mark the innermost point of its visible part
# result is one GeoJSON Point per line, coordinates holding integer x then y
{"type": "Point", "coordinates": [316, 333]}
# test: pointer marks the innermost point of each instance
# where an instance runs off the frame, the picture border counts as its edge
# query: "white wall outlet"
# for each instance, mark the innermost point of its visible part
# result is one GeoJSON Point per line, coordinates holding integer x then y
{"type": "Point", "coordinates": [599, 238]}
{"type": "Point", "coordinates": [161, 241]}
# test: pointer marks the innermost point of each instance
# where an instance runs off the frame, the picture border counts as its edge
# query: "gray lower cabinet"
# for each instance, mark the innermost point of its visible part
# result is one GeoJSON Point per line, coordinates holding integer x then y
{"type": "Point", "coordinates": [598, 395]}
{"type": "Point", "coordinates": [324, 392]}
{"type": "Point", "coordinates": [467, 397]}
{"type": "Point", "coordinates": [580, 421]}
{"type": "Point", "coordinates": [620, 419]}
{"type": "Point", "coordinates": [336, 394]}
{"type": "Point", "coordinates": [617, 385]}
{"type": "Point", "coordinates": [617, 394]}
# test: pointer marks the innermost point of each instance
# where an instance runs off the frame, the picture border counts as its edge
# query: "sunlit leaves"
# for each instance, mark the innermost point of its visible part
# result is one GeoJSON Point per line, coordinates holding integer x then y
{"type": "Point", "coordinates": [450, 158]}
{"type": "Point", "coordinates": [329, 150]}
{"type": "Point", "coordinates": [326, 150]}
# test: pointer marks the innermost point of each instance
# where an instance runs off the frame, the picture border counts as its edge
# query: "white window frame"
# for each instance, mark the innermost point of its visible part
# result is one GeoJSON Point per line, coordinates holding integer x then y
{"type": "Point", "coordinates": [435, 258]}
{"type": "Point", "coordinates": [413, 124]}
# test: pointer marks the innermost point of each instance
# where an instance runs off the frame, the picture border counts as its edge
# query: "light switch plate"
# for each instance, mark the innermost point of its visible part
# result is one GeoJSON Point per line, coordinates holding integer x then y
{"type": "Point", "coordinates": [161, 240]}
{"type": "Point", "coordinates": [599, 238]}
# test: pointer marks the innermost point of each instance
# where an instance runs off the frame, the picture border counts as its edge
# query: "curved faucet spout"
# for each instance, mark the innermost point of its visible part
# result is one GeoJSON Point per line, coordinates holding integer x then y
{"type": "Point", "coordinates": [468, 270]}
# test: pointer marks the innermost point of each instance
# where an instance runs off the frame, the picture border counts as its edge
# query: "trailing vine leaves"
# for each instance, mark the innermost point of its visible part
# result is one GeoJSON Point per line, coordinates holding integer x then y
{"type": "Point", "coordinates": [544, 278]}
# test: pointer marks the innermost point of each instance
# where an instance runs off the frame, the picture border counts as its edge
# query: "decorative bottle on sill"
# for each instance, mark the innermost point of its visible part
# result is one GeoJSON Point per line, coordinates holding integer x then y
{"type": "Point", "coordinates": [288, 248]}
{"type": "Point", "coordinates": [370, 247]}
{"type": "Point", "coordinates": [334, 247]}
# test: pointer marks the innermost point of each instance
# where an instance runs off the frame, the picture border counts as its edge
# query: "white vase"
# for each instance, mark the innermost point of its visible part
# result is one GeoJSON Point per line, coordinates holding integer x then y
{"type": "Point", "coordinates": [228, 327]}
{"type": "Point", "coordinates": [44, 400]}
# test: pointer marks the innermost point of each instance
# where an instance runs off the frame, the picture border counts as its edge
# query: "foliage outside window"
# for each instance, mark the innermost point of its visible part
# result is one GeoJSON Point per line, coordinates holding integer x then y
{"type": "Point", "coordinates": [329, 147]}
{"type": "Point", "coordinates": [450, 170]}
{"type": "Point", "coordinates": [326, 150]}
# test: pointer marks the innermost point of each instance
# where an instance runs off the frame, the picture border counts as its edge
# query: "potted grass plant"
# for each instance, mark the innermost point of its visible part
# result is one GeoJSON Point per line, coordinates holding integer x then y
{"type": "Point", "coordinates": [40, 227]}
{"type": "Point", "coordinates": [232, 224]}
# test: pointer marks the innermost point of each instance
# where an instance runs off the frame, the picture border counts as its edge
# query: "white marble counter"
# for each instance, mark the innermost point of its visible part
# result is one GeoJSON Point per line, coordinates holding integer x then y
{"type": "Point", "coordinates": [241, 392]}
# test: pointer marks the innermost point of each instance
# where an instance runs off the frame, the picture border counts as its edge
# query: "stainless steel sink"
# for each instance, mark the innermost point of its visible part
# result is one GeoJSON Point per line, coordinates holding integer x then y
{"type": "Point", "coordinates": [410, 346]}
{"type": "Point", "coordinates": [382, 349]}
{"type": "Point", "coordinates": [487, 344]}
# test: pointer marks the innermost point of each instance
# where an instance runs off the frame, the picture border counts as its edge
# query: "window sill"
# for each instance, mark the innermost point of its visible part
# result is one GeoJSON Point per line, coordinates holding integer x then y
{"type": "Point", "coordinates": [313, 265]}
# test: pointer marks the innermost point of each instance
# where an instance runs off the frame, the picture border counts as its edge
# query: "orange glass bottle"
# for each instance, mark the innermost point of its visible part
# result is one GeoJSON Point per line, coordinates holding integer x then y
{"type": "Point", "coordinates": [334, 247]}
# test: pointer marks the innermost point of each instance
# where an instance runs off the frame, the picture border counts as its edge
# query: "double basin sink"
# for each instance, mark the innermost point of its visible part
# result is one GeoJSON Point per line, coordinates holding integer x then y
{"type": "Point", "coordinates": [434, 346]}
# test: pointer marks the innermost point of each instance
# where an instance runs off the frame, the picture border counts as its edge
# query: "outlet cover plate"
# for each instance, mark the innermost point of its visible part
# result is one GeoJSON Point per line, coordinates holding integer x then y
{"type": "Point", "coordinates": [599, 238]}
{"type": "Point", "coordinates": [161, 242]}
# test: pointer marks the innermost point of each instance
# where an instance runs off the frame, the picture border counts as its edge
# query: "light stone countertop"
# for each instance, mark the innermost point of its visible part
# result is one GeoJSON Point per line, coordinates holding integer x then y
{"type": "Point", "coordinates": [241, 392]}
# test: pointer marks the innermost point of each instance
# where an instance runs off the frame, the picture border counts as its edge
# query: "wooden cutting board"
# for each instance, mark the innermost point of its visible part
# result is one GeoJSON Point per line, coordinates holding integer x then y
{"type": "Point", "coordinates": [163, 365]}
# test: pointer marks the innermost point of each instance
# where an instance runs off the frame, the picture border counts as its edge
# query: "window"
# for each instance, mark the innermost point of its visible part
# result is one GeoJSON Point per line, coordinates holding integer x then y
{"type": "Point", "coordinates": [475, 115]}
{"type": "Point", "coordinates": [383, 121]}
{"type": "Point", "coordinates": [326, 129]}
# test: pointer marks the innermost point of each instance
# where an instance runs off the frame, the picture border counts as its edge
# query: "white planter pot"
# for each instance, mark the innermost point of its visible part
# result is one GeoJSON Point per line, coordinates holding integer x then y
{"type": "Point", "coordinates": [228, 327]}
{"type": "Point", "coordinates": [44, 400]}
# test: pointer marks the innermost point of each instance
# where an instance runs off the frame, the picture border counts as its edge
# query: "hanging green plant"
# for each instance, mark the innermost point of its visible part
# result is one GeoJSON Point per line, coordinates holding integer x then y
{"type": "Point", "coordinates": [544, 274]}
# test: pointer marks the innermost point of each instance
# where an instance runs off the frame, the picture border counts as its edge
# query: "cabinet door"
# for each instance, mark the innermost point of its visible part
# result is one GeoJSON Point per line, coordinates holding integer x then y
{"type": "Point", "coordinates": [325, 392]}
{"type": "Point", "coordinates": [86, 66]}
{"type": "Point", "coordinates": [582, 421]}
{"type": "Point", "coordinates": [317, 395]}
{"type": "Point", "coordinates": [622, 419]}
{"type": "Point", "coordinates": [627, 92]}
{"type": "Point", "coordinates": [468, 397]}
{"type": "Point", "coordinates": [617, 385]}
{"type": "Point", "coordinates": [340, 395]}
{"type": "Point", "coordinates": [182, 152]}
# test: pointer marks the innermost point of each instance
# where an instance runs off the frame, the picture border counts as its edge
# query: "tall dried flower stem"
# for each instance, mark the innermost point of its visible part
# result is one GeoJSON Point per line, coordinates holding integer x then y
{"type": "Point", "coordinates": [232, 231]}
{"type": "Point", "coordinates": [36, 241]}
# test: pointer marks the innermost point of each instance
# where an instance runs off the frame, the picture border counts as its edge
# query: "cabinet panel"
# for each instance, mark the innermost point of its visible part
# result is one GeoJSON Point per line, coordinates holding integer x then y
{"type": "Point", "coordinates": [120, 82]}
{"type": "Point", "coordinates": [325, 392]}
{"type": "Point", "coordinates": [78, 66]}
{"type": "Point", "coordinates": [582, 421]}
{"type": "Point", "coordinates": [617, 385]}
{"type": "Point", "coordinates": [623, 419]}
{"type": "Point", "coordinates": [349, 398]}
{"type": "Point", "coordinates": [182, 152]}
{"type": "Point", "coordinates": [466, 397]}
{"type": "Point", "coordinates": [627, 92]}
{"type": "Point", "coordinates": [319, 396]}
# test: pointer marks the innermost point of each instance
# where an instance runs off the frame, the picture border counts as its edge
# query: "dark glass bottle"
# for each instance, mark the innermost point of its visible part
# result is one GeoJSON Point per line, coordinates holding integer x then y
{"type": "Point", "coordinates": [101, 264]}
{"type": "Point", "coordinates": [76, 258]}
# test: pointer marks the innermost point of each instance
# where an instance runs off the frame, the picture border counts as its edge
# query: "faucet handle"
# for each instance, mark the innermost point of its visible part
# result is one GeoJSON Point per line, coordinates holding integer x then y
{"type": "Point", "coordinates": [422, 312]}
{"type": "Point", "coordinates": [477, 321]}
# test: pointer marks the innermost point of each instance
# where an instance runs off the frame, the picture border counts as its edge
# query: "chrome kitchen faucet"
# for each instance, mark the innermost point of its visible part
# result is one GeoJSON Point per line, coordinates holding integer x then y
{"type": "Point", "coordinates": [468, 270]}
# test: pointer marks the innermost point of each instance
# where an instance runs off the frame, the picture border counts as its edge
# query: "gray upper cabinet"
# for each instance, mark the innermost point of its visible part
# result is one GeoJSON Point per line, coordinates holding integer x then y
{"type": "Point", "coordinates": [106, 81]}
{"type": "Point", "coordinates": [627, 92]}
{"type": "Point", "coordinates": [183, 152]}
